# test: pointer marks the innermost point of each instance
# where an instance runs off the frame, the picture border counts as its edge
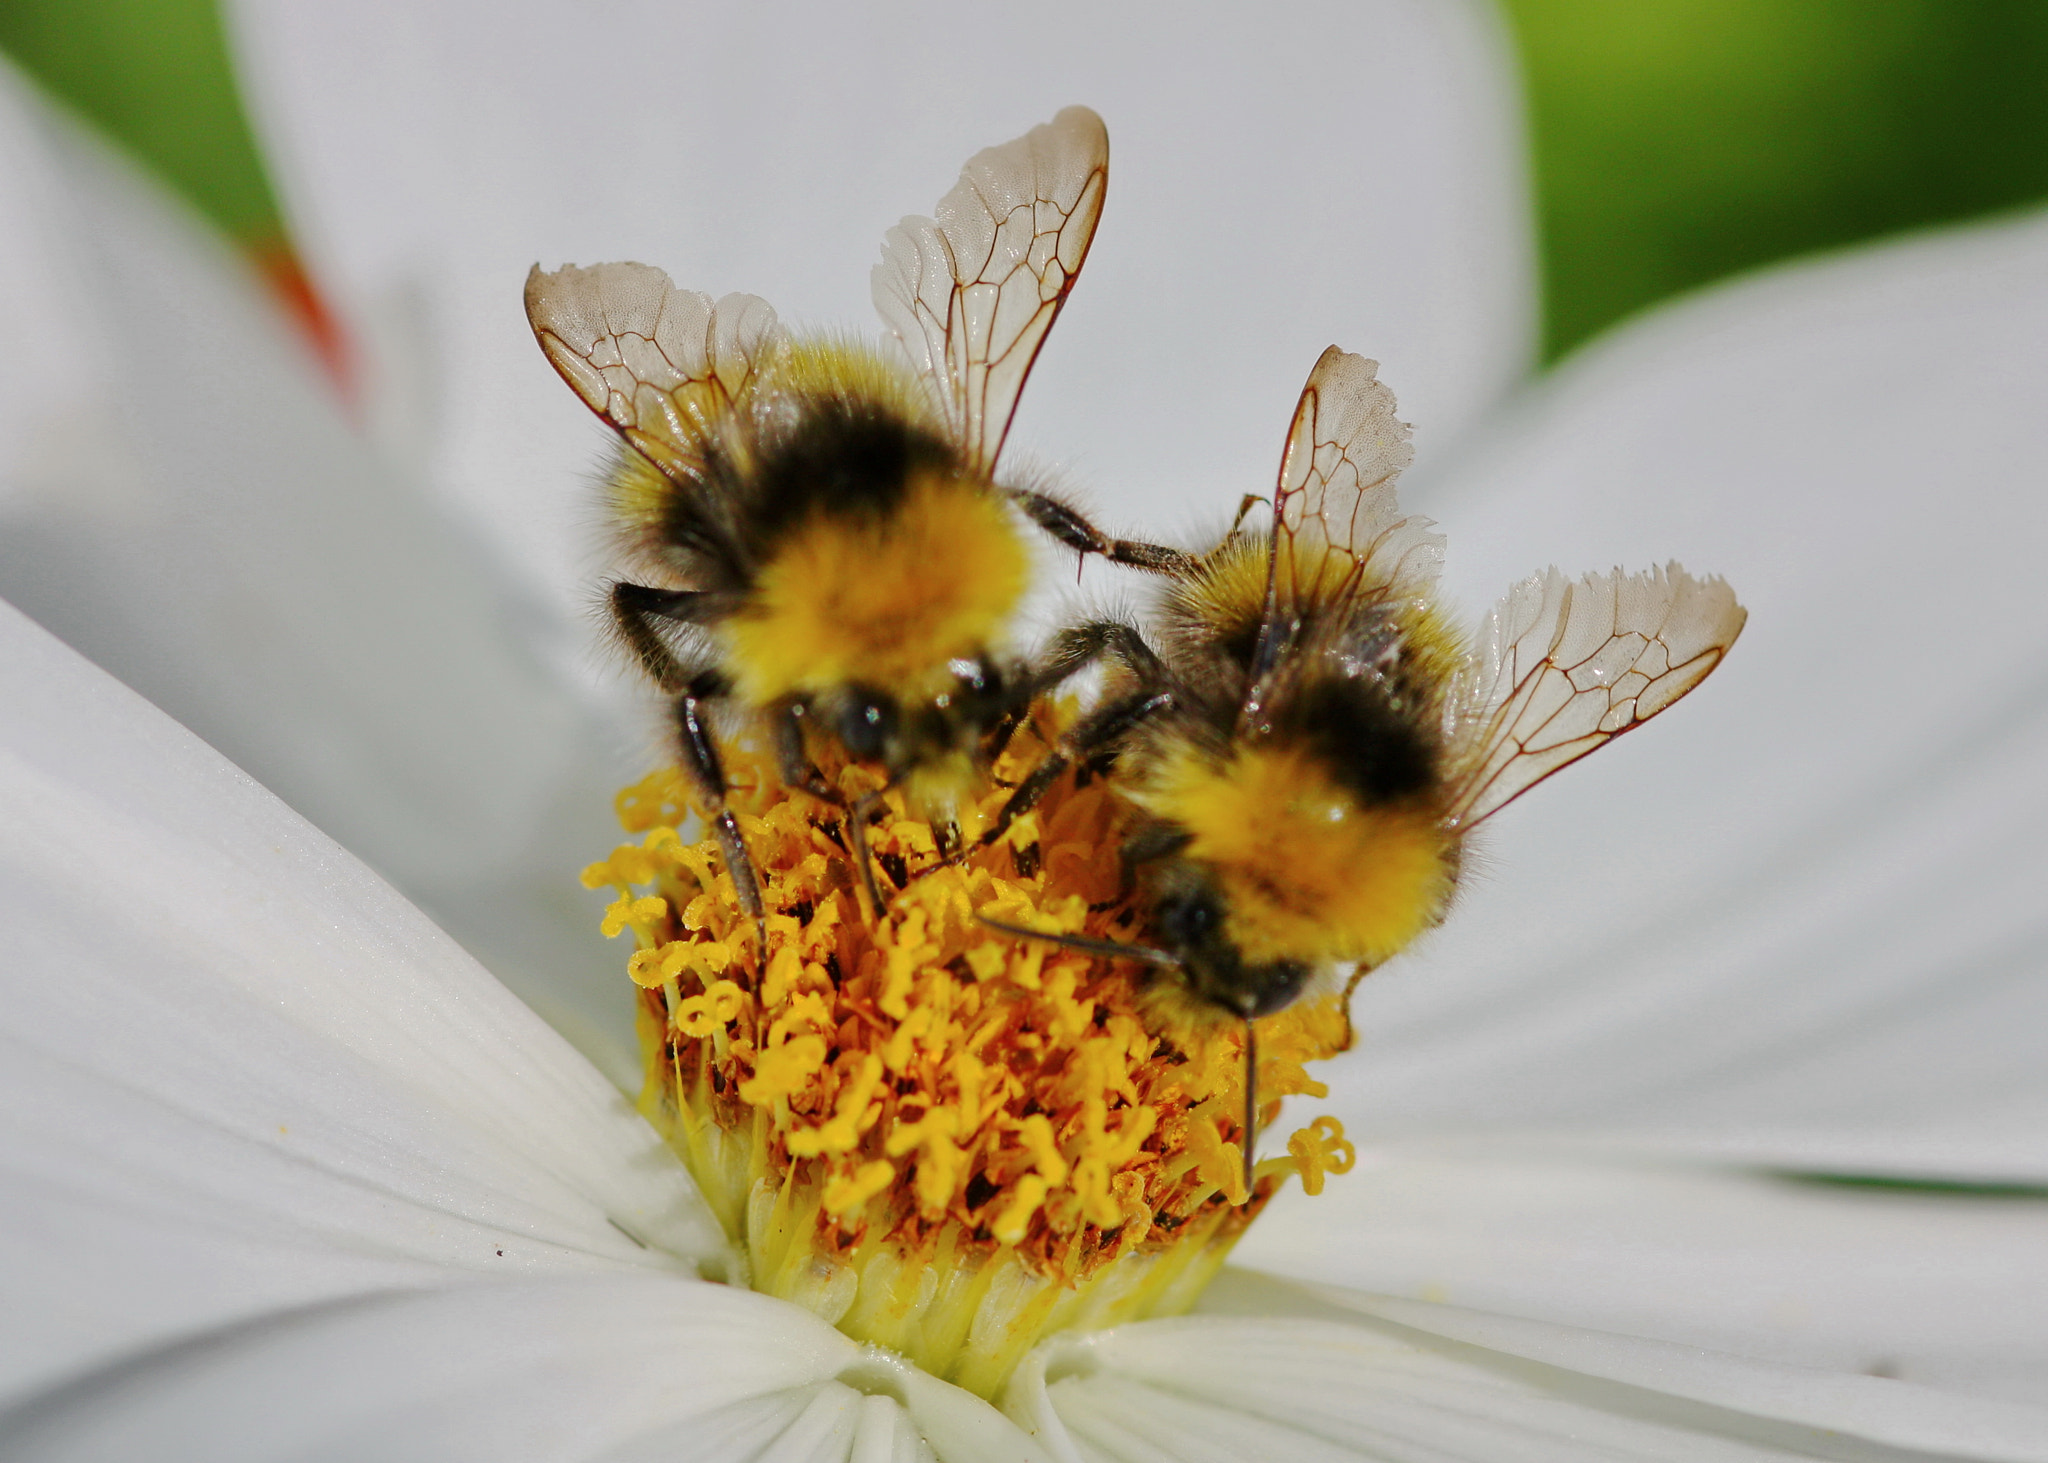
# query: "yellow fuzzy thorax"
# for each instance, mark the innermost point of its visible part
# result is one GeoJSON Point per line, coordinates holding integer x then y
{"type": "Point", "coordinates": [943, 1138]}
{"type": "Point", "coordinates": [1227, 591]}
{"type": "Point", "coordinates": [885, 600]}
{"type": "Point", "coordinates": [1307, 871]}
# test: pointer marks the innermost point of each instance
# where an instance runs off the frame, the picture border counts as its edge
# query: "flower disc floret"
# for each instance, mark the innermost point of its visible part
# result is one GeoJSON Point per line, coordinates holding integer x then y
{"type": "Point", "coordinates": [943, 1138]}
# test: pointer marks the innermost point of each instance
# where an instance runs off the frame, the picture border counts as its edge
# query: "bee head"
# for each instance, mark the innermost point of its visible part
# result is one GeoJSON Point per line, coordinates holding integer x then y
{"type": "Point", "coordinates": [1190, 923]}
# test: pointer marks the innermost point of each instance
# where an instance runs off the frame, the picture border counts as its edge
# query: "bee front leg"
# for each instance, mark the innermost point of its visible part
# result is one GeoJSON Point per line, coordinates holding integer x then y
{"type": "Point", "coordinates": [702, 765]}
{"type": "Point", "coordinates": [786, 728]}
{"type": "Point", "coordinates": [1096, 733]}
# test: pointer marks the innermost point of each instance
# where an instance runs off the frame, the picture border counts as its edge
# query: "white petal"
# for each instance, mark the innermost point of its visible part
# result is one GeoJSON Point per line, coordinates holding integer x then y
{"type": "Point", "coordinates": [1337, 171]}
{"type": "Point", "coordinates": [238, 1072]}
{"type": "Point", "coordinates": [181, 499]}
{"type": "Point", "coordinates": [529, 1371]}
{"type": "Point", "coordinates": [642, 1368]}
{"type": "Point", "coordinates": [1930, 1288]}
{"type": "Point", "coordinates": [1326, 1374]}
{"type": "Point", "coordinates": [1800, 918]}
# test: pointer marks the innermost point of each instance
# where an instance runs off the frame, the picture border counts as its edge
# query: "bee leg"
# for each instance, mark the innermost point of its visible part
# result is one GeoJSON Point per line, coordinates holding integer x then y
{"type": "Point", "coordinates": [1002, 733]}
{"type": "Point", "coordinates": [863, 857]}
{"type": "Point", "coordinates": [1080, 646]}
{"type": "Point", "coordinates": [635, 608]}
{"type": "Point", "coordinates": [1095, 733]}
{"type": "Point", "coordinates": [787, 730]}
{"type": "Point", "coordinates": [702, 766]}
{"type": "Point", "coordinates": [786, 727]}
{"type": "Point", "coordinates": [1098, 732]}
{"type": "Point", "coordinates": [1068, 526]}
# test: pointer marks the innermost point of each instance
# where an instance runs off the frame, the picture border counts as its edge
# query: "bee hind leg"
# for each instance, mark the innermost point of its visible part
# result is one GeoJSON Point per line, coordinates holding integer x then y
{"type": "Point", "coordinates": [634, 610]}
{"type": "Point", "coordinates": [1070, 527]}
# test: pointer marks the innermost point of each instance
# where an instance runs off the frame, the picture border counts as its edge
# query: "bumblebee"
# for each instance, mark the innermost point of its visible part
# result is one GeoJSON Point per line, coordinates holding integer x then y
{"type": "Point", "coordinates": [821, 543]}
{"type": "Point", "coordinates": [1307, 741]}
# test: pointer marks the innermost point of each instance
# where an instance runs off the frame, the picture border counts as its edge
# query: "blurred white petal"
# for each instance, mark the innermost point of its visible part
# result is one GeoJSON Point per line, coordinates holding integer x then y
{"type": "Point", "coordinates": [1799, 921]}
{"type": "Point", "coordinates": [1323, 1374]}
{"type": "Point", "coordinates": [181, 499]}
{"type": "Point", "coordinates": [240, 1073]}
{"type": "Point", "coordinates": [1279, 179]}
{"type": "Point", "coordinates": [601, 1367]}
{"type": "Point", "coordinates": [1933, 1288]}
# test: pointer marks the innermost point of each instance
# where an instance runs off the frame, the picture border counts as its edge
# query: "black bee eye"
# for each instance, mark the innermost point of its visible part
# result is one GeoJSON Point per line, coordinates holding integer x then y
{"type": "Point", "coordinates": [869, 723]}
{"type": "Point", "coordinates": [1188, 920]}
{"type": "Point", "coordinates": [1274, 987]}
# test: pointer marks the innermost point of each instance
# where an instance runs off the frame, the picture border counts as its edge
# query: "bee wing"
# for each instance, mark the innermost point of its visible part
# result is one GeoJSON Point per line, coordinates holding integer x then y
{"type": "Point", "coordinates": [1338, 533]}
{"type": "Point", "coordinates": [1563, 667]}
{"type": "Point", "coordinates": [662, 365]}
{"type": "Point", "coordinates": [1344, 450]}
{"type": "Point", "coordinates": [972, 294]}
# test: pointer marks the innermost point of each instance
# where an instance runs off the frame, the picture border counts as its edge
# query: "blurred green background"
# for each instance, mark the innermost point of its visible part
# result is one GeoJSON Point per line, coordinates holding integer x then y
{"type": "Point", "coordinates": [1675, 141]}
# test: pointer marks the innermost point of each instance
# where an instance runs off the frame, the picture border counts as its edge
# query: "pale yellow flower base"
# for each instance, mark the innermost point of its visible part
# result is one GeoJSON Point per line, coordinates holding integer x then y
{"type": "Point", "coordinates": [944, 1139]}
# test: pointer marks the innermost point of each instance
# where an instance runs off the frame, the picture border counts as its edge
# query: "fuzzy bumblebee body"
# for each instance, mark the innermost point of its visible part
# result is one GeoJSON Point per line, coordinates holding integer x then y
{"type": "Point", "coordinates": [1307, 741]}
{"type": "Point", "coordinates": [1320, 838]}
{"type": "Point", "coordinates": [851, 565]}
{"type": "Point", "coordinates": [827, 547]}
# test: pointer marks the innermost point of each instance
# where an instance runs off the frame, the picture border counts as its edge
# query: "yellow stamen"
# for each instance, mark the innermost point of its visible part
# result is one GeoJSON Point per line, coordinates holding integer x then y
{"type": "Point", "coordinates": [945, 1139]}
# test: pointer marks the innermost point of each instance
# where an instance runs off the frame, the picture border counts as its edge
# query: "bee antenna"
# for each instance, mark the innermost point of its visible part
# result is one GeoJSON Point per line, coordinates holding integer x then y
{"type": "Point", "coordinates": [1115, 949]}
{"type": "Point", "coordinates": [1251, 1101]}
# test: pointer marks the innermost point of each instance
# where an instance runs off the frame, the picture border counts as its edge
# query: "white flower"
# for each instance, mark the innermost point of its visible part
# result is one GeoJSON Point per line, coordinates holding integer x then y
{"type": "Point", "coordinates": [284, 1173]}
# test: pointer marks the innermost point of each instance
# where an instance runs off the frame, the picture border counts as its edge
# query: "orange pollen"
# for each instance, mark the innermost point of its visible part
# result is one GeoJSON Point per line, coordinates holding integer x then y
{"type": "Point", "coordinates": [943, 1138]}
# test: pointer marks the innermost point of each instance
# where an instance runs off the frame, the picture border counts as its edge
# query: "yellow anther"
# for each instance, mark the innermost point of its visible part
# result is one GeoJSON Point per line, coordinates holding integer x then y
{"type": "Point", "coordinates": [1035, 1132]}
{"type": "Point", "coordinates": [659, 966]}
{"type": "Point", "coordinates": [631, 865]}
{"type": "Point", "coordinates": [941, 1122]}
{"type": "Point", "coordinates": [852, 1116]}
{"type": "Point", "coordinates": [941, 1169]}
{"type": "Point", "coordinates": [807, 1011]}
{"type": "Point", "coordinates": [851, 1191]}
{"type": "Point", "coordinates": [785, 970]}
{"type": "Point", "coordinates": [781, 1071]}
{"type": "Point", "coordinates": [901, 1046]}
{"type": "Point", "coordinates": [1321, 1148]}
{"type": "Point", "coordinates": [639, 913]}
{"type": "Point", "coordinates": [1219, 1165]}
{"type": "Point", "coordinates": [700, 1015]}
{"type": "Point", "coordinates": [1026, 1195]}
{"type": "Point", "coordinates": [987, 961]}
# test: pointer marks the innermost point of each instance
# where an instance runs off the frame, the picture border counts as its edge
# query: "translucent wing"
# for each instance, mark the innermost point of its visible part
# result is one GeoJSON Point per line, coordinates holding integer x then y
{"type": "Point", "coordinates": [658, 363]}
{"type": "Point", "coordinates": [1562, 667]}
{"type": "Point", "coordinates": [1339, 539]}
{"type": "Point", "coordinates": [972, 294]}
{"type": "Point", "coordinates": [1338, 526]}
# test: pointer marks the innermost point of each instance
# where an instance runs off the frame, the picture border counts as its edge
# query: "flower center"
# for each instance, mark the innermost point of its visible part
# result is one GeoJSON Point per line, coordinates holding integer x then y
{"type": "Point", "coordinates": [942, 1138]}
